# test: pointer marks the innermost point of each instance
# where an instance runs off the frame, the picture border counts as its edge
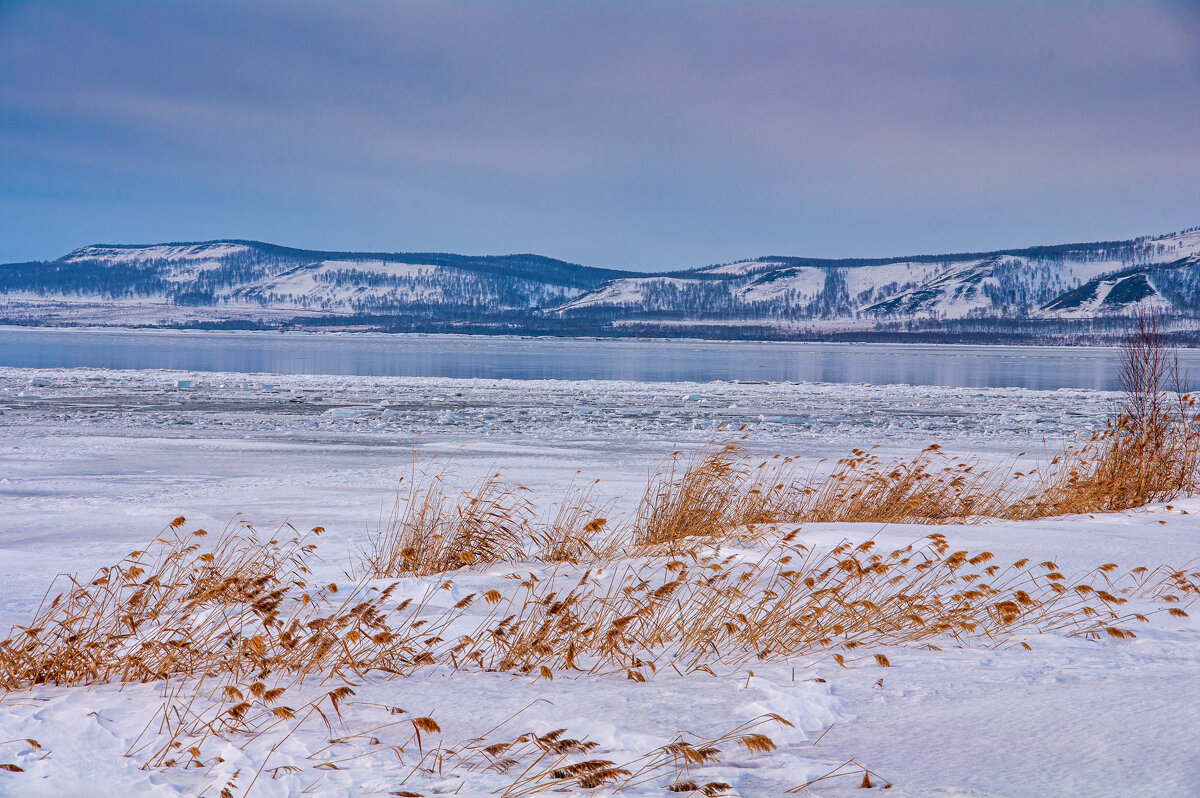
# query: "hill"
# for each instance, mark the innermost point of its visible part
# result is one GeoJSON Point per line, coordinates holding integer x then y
{"type": "Point", "coordinates": [1066, 292]}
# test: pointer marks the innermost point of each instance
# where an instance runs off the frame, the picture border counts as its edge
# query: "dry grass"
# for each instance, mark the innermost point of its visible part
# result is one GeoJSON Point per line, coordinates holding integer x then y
{"type": "Point", "coordinates": [850, 768]}
{"type": "Point", "coordinates": [530, 763]}
{"type": "Point", "coordinates": [704, 498]}
{"type": "Point", "coordinates": [704, 611]}
{"type": "Point", "coordinates": [719, 490]}
{"type": "Point", "coordinates": [236, 607]}
{"type": "Point", "coordinates": [930, 488]}
{"type": "Point", "coordinates": [430, 532]}
{"type": "Point", "coordinates": [554, 763]}
{"type": "Point", "coordinates": [1149, 452]}
{"type": "Point", "coordinates": [242, 608]}
{"type": "Point", "coordinates": [578, 529]}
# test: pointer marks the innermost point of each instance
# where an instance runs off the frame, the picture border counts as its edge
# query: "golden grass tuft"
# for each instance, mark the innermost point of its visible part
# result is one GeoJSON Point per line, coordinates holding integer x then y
{"type": "Point", "coordinates": [705, 610]}
{"type": "Point", "coordinates": [577, 531]}
{"type": "Point", "coordinates": [431, 532]}
{"type": "Point", "coordinates": [700, 497]}
{"type": "Point", "coordinates": [930, 488]}
{"type": "Point", "coordinates": [187, 606]}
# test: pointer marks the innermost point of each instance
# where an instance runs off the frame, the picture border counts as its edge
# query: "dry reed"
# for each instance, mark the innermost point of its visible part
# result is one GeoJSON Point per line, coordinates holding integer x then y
{"type": "Point", "coordinates": [239, 636]}
{"type": "Point", "coordinates": [531, 763]}
{"type": "Point", "coordinates": [701, 611]}
{"type": "Point", "coordinates": [236, 606]}
{"type": "Point", "coordinates": [428, 532]}
{"type": "Point", "coordinates": [241, 608]}
{"type": "Point", "coordinates": [701, 501]}
{"type": "Point", "coordinates": [863, 488]}
{"type": "Point", "coordinates": [1149, 452]}
{"type": "Point", "coordinates": [578, 530]}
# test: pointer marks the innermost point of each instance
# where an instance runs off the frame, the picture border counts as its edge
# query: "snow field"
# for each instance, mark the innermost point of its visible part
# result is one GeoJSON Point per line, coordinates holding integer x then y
{"type": "Point", "coordinates": [93, 463]}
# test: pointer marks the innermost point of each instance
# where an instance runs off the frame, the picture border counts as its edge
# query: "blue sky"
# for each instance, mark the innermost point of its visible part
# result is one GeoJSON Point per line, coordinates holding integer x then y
{"type": "Point", "coordinates": [635, 135]}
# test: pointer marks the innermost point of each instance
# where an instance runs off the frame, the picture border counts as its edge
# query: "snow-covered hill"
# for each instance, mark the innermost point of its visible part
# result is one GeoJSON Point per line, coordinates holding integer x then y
{"type": "Point", "coordinates": [251, 283]}
{"type": "Point", "coordinates": [1001, 285]}
{"type": "Point", "coordinates": [239, 280]}
{"type": "Point", "coordinates": [1158, 287]}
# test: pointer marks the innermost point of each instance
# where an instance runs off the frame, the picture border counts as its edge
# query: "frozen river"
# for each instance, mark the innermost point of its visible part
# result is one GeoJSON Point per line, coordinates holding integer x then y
{"type": "Point", "coordinates": [382, 355]}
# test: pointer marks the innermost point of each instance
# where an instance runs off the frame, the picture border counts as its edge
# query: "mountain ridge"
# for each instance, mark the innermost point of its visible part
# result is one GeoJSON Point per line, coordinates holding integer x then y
{"type": "Point", "coordinates": [1064, 289]}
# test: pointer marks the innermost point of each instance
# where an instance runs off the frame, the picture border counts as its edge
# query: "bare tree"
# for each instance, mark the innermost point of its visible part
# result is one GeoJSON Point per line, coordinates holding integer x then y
{"type": "Point", "coordinates": [1157, 424]}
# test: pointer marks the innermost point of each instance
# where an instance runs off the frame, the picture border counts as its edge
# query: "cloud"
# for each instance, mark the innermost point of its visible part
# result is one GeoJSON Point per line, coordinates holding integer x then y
{"type": "Point", "coordinates": [638, 135]}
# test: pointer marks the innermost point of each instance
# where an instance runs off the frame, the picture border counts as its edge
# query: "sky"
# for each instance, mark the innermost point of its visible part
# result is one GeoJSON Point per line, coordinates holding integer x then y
{"type": "Point", "coordinates": [646, 136]}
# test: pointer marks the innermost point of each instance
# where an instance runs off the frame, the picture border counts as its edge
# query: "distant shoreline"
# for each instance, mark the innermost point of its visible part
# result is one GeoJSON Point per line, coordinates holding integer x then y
{"type": "Point", "coordinates": [1183, 339]}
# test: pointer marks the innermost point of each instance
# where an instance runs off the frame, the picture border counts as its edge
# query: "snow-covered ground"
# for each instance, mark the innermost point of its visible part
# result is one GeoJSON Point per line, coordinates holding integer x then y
{"type": "Point", "coordinates": [94, 463]}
